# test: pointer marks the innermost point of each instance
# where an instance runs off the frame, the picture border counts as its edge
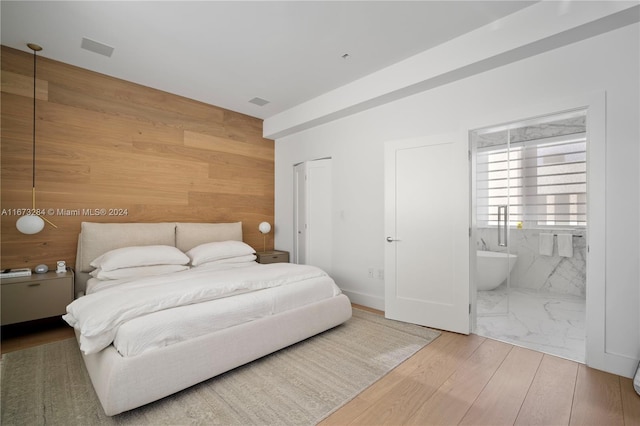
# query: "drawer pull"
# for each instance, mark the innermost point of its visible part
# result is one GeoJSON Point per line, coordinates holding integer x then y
{"type": "Point", "coordinates": [34, 285]}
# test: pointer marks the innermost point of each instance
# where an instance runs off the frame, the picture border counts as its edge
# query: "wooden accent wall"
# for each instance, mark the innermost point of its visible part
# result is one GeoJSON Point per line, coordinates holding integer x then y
{"type": "Point", "coordinates": [108, 145]}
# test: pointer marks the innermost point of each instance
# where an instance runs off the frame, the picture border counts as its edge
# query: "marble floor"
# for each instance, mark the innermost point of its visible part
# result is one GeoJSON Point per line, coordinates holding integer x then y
{"type": "Point", "coordinates": [546, 322]}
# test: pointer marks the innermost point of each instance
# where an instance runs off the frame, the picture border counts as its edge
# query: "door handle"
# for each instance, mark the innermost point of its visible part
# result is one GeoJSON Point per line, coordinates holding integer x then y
{"type": "Point", "coordinates": [390, 240]}
{"type": "Point", "coordinates": [503, 237]}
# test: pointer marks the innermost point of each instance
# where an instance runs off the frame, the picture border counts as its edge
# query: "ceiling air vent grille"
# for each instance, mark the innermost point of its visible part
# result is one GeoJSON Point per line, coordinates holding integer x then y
{"type": "Point", "coordinates": [96, 47]}
{"type": "Point", "coordinates": [259, 101]}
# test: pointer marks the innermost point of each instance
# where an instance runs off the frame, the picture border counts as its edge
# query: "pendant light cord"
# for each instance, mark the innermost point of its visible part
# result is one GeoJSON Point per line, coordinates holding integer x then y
{"type": "Point", "coordinates": [33, 160]}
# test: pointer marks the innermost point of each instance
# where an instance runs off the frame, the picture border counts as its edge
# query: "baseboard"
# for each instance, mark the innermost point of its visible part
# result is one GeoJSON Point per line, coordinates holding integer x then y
{"type": "Point", "coordinates": [620, 365]}
{"type": "Point", "coordinates": [363, 299]}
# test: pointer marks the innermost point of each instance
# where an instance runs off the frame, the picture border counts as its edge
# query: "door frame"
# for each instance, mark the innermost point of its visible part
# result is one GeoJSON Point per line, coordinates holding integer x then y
{"type": "Point", "coordinates": [595, 105]}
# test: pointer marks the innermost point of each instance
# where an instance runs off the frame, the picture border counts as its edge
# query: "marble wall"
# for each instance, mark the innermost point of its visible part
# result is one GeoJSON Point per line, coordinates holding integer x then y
{"type": "Point", "coordinates": [553, 274]}
{"type": "Point", "coordinates": [532, 271]}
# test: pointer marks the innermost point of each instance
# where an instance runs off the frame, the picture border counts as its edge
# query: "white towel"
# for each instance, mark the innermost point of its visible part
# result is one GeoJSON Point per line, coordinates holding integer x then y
{"type": "Point", "coordinates": [565, 245]}
{"type": "Point", "coordinates": [545, 244]}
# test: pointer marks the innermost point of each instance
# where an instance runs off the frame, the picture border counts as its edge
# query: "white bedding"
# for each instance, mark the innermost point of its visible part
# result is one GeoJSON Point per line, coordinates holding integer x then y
{"type": "Point", "coordinates": [99, 315]}
{"type": "Point", "coordinates": [175, 325]}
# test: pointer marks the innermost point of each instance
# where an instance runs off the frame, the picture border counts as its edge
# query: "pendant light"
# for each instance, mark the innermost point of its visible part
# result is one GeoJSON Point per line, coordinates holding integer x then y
{"type": "Point", "coordinates": [33, 223]}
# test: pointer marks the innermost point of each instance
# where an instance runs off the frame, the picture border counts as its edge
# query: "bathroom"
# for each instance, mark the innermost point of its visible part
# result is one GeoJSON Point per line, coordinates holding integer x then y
{"type": "Point", "coordinates": [529, 201]}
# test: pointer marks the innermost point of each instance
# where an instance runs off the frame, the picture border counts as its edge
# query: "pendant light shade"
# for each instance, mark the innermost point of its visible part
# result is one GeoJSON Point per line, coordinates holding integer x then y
{"type": "Point", "coordinates": [32, 224]}
{"type": "Point", "coordinates": [264, 227]}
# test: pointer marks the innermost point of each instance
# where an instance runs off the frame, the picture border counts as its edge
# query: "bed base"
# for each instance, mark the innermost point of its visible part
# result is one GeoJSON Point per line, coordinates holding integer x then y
{"type": "Point", "coordinates": [124, 383]}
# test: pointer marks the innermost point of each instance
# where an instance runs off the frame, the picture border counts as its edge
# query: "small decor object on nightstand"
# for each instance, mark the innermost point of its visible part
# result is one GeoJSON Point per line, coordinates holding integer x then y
{"type": "Point", "coordinates": [41, 269]}
{"type": "Point", "coordinates": [61, 267]}
{"type": "Point", "coordinates": [14, 273]}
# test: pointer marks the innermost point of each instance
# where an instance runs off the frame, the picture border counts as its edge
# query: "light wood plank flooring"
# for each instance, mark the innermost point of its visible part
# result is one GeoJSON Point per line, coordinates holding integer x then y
{"type": "Point", "coordinates": [472, 380]}
{"type": "Point", "coordinates": [33, 333]}
{"type": "Point", "coordinates": [467, 380]}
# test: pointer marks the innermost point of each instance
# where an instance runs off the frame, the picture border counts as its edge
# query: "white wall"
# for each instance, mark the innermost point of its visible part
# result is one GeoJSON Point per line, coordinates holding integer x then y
{"type": "Point", "coordinates": [608, 62]}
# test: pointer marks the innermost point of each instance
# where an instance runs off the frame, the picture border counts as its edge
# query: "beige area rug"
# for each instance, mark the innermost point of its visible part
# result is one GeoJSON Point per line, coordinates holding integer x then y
{"type": "Point", "coordinates": [299, 385]}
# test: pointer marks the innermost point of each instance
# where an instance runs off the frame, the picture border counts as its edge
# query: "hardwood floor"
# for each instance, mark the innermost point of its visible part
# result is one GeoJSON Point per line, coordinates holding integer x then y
{"type": "Point", "coordinates": [466, 380]}
{"type": "Point", "coordinates": [33, 333]}
{"type": "Point", "coordinates": [472, 380]}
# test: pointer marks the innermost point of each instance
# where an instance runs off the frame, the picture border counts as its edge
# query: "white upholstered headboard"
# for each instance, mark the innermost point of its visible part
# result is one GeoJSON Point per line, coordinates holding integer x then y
{"type": "Point", "coordinates": [96, 239]}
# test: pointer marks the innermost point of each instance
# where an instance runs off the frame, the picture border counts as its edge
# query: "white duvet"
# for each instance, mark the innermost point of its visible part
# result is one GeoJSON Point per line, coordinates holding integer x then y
{"type": "Point", "coordinates": [98, 316]}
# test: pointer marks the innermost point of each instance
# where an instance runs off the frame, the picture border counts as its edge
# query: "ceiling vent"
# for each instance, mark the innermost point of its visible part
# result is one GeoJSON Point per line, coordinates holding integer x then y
{"type": "Point", "coordinates": [259, 101]}
{"type": "Point", "coordinates": [96, 47]}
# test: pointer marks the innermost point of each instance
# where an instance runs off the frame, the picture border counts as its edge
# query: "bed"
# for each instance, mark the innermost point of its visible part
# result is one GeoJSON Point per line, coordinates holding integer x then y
{"type": "Point", "coordinates": [134, 360]}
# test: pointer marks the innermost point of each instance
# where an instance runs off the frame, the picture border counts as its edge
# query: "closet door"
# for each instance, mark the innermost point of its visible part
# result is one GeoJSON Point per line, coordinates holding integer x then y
{"type": "Point", "coordinates": [313, 205]}
{"type": "Point", "coordinates": [300, 214]}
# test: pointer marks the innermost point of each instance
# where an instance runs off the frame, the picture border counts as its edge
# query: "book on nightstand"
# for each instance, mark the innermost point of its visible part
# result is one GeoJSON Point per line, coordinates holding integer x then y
{"type": "Point", "coordinates": [13, 273]}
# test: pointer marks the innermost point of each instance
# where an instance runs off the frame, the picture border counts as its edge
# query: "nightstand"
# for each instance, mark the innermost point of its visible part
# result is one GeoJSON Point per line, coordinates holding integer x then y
{"type": "Point", "coordinates": [36, 296]}
{"type": "Point", "coordinates": [274, 256]}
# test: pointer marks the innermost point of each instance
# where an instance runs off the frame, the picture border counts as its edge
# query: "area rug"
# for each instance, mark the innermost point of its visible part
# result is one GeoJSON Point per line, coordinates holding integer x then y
{"type": "Point", "coordinates": [299, 385]}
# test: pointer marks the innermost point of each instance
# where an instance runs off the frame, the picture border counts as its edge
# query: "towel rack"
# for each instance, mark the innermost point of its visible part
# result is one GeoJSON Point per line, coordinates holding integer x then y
{"type": "Point", "coordinates": [573, 235]}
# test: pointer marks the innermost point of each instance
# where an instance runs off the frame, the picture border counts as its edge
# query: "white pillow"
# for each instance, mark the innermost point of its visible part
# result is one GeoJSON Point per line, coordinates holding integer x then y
{"type": "Point", "coordinates": [248, 258]}
{"type": "Point", "coordinates": [128, 257]}
{"type": "Point", "coordinates": [208, 252]}
{"type": "Point", "coordinates": [137, 271]}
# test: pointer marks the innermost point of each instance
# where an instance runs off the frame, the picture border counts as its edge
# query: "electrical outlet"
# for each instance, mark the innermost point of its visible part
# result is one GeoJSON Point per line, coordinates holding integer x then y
{"type": "Point", "coordinates": [381, 274]}
{"type": "Point", "coordinates": [370, 272]}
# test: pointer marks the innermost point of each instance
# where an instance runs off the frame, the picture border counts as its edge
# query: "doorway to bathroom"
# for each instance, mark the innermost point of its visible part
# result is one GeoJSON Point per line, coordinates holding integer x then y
{"type": "Point", "coordinates": [529, 202]}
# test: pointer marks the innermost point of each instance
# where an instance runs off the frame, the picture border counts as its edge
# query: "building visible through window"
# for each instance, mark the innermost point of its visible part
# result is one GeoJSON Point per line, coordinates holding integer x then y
{"type": "Point", "coordinates": [540, 174]}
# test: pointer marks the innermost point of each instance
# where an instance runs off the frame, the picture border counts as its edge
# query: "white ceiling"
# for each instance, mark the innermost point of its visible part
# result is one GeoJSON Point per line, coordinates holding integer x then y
{"type": "Point", "coordinates": [226, 53]}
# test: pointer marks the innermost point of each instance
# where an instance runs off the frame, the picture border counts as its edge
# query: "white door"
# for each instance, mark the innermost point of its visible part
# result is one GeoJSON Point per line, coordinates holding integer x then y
{"type": "Point", "coordinates": [300, 214]}
{"type": "Point", "coordinates": [427, 232]}
{"type": "Point", "coordinates": [314, 213]}
{"type": "Point", "coordinates": [319, 207]}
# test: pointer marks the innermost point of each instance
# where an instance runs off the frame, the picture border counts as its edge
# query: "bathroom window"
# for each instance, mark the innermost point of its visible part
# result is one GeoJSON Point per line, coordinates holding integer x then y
{"type": "Point", "coordinates": [542, 180]}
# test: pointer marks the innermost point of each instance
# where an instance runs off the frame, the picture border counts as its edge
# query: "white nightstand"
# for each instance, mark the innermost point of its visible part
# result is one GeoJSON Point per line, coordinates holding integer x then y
{"type": "Point", "coordinates": [274, 256]}
{"type": "Point", "coordinates": [36, 296]}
